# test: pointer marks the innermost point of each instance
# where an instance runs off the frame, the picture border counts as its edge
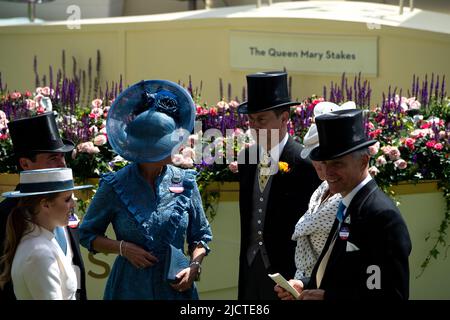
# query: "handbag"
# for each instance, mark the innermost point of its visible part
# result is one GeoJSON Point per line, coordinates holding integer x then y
{"type": "Point", "coordinates": [176, 261]}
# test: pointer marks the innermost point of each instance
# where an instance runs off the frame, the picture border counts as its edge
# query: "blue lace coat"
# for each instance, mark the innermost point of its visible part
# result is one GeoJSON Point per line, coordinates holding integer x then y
{"type": "Point", "coordinates": [150, 220]}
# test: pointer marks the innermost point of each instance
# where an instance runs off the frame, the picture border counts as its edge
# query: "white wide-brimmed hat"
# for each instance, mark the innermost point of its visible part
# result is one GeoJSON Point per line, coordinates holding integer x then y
{"type": "Point", "coordinates": [311, 138]}
{"type": "Point", "coordinates": [44, 181]}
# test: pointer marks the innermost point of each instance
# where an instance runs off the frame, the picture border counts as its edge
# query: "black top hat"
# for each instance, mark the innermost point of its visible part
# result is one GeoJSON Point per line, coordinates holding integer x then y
{"type": "Point", "coordinates": [266, 91]}
{"type": "Point", "coordinates": [38, 134]}
{"type": "Point", "coordinates": [340, 133]}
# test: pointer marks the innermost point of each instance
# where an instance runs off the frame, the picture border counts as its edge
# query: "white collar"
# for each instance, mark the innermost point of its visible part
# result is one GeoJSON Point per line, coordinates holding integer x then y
{"type": "Point", "coordinates": [276, 151]}
{"type": "Point", "coordinates": [348, 198]}
{"type": "Point", "coordinates": [36, 230]}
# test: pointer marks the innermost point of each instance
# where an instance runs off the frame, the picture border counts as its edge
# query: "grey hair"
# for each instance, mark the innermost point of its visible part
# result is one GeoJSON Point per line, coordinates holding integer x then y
{"type": "Point", "coordinates": [360, 153]}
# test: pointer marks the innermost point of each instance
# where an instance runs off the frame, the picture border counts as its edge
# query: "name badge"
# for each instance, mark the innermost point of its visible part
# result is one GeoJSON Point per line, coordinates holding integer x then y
{"type": "Point", "coordinates": [344, 232]}
{"type": "Point", "coordinates": [73, 221]}
{"type": "Point", "coordinates": [177, 184]}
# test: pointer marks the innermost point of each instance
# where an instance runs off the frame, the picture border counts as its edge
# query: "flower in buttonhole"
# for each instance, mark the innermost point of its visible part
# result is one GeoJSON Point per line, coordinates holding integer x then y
{"type": "Point", "coordinates": [283, 167]}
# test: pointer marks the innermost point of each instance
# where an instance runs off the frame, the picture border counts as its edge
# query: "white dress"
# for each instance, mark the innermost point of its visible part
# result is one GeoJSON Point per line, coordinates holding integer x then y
{"type": "Point", "coordinates": [312, 229]}
{"type": "Point", "coordinates": [40, 269]}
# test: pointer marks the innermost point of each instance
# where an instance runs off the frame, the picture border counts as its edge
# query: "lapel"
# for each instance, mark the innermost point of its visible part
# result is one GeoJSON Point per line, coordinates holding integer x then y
{"type": "Point", "coordinates": [288, 155]}
{"type": "Point", "coordinates": [353, 211]}
{"type": "Point", "coordinates": [249, 173]}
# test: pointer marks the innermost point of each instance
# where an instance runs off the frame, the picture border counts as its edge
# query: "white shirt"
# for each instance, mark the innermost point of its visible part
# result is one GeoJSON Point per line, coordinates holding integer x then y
{"type": "Point", "coordinates": [348, 198]}
{"type": "Point", "coordinates": [40, 270]}
{"type": "Point", "coordinates": [275, 153]}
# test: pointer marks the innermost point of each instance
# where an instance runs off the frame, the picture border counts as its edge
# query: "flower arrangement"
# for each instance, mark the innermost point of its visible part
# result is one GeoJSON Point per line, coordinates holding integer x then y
{"type": "Point", "coordinates": [413, 132]}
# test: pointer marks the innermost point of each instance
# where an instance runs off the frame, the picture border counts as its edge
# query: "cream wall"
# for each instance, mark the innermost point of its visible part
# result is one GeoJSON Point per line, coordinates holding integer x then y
{"type": "Point", "coordinates": [176, 49]}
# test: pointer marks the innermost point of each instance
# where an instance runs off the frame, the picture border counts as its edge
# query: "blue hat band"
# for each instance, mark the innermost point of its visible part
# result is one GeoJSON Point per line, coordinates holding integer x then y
{"type": "Point", "coordinates": [45, 186]}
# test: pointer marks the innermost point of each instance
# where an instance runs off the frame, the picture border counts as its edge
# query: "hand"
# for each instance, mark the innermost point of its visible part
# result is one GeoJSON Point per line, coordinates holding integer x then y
{"type": "Point", "coordinates": [138, 257]}
{"type": "Point", "coordinates": [186, 278]}
{"type": "Point", "coordinates": [285, 295]}
{"type": "Point", "coordinates": [314, 294]}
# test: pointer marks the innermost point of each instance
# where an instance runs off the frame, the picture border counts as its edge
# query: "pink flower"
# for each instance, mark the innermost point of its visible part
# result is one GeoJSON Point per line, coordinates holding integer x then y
{"type": "Point", "coordinates": [381, 161]}
{"type": "Point", "coordinates": [222, 106]}
{"type": "Point", "coordinates": [100, 140]}
{"type": "Point", "coordinates": [188, 153]}
{"type": "Point", "coordinates": [233, 166]}
{"type": "Point", "coordinates": [96, 112]}
{"type": "Point", "coordinates": [430, 144]}
{"type": "Point", "coordinates": [373, 150]}
{"type": "Point", "coordinates": [386, 149]}
{"type": "Point", "coordinates": [233, 104]}
{"type": "Point", "coordinates": [438, 146]}
{"type": "Point", "coordinates": [213, 112]}
{"type": "Point", "coordinates": [46, 91]}
{"type": "Point", "coordinates": [30, 104]}
{"type": "Point", "coordinates": [409, 142]}
{"type": "Point", "coordinates": [87, 147]}
{"type": "Point", "coordinates": [373, 171]}
{"type": "Point", "coordinates": [15, 95]}
{"type": "Point", "coordinates": [400, 164]}
{"type": "Point", "coordinates": [394, 154]}
{"type": "Point", "coordinates": [97, 103]}
{"type": "Point", "coordinates": [375, 134]}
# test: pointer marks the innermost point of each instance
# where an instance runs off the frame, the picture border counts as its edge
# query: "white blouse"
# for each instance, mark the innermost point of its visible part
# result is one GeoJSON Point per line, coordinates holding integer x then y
{"type": "Point", "coordinates": [312, 229]}
{"type": "Point", "coordinates": [40, 269]}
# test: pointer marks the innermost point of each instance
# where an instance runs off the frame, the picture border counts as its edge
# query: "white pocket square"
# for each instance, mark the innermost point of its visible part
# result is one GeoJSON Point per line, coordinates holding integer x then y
{"type": "Point", "coordinates": [351, 247]}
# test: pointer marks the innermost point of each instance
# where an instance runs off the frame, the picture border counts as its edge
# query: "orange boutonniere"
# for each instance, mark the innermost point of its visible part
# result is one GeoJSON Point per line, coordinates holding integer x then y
{"type": "Point", "coordinates": [283, 167]}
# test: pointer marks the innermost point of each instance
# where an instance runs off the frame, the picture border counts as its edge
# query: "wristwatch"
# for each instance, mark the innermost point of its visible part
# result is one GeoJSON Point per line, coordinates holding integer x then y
{"type": "Point", "coordinates": [199, 268]}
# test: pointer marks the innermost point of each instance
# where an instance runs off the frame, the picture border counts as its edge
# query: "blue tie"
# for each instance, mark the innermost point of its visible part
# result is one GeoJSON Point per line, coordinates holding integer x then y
{"type": "Point", "coordinates": [61, 238]}
{"type": "Point", "coordinates": [340, 212]}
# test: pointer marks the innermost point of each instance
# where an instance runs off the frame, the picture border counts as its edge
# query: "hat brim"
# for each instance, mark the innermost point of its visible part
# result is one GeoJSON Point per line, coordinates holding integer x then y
{"type": "Point", "coordinates": [67, 147]}
{"type": "Point", "coordinates": [18, 194]}
{"type": "Point", "coordinates": [307, 150]}
{"type": "Point", "coordinates": [243, 107]}
{"type": "Point", "coordinates": [318, 154]}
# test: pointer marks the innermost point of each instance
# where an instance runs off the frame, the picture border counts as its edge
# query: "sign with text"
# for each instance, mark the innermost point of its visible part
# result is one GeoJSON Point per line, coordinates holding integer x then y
{"type": "Point", "coordinates": [318, 54]}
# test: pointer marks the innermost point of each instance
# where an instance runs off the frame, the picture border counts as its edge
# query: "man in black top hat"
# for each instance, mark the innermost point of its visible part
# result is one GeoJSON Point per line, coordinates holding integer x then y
{"type": "Point", "coordinates": [38, 145]}
{"type": "Point", "coordinates": [271, 201]}
{"type": "Point", "coordinates": [366, 253]}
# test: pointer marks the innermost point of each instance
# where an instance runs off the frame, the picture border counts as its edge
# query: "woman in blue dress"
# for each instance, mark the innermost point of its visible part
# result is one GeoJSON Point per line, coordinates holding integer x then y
{"type": "Point", "coordinates": [153, 206]}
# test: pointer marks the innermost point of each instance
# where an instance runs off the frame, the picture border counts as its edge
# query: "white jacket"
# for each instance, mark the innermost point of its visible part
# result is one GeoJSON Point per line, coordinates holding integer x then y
{"type": "Point", "coordinates": [40, 269]}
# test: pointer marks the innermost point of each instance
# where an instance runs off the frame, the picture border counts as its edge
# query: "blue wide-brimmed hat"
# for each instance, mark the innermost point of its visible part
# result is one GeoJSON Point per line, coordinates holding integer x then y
{"type": "Point", "coordinates": [44, 181]}
{"type": "Point", "coordinates": [149, 120]}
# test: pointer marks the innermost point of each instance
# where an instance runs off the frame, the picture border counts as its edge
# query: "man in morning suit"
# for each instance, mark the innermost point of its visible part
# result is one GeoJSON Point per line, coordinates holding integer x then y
{"type": "Point", "coordinates": [271, 201]}
{"type": "Point", "coordinates": [38, 145]}
{"type": "Point", "coordinates": [366, 253]}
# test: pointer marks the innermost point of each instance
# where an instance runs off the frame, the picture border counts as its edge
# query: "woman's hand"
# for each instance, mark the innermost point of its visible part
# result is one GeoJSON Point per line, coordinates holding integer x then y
{"type": "Point", "coordinates": [187, 277]}
{"type": "Point", "coordinates": [137, 256]}
{"type": "Point", "coordinates": [284, 294]}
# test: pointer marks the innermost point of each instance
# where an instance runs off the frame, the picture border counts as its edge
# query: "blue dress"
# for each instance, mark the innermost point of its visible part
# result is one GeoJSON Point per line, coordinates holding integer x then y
{"type": "Point", "coordinates": [152, 220]}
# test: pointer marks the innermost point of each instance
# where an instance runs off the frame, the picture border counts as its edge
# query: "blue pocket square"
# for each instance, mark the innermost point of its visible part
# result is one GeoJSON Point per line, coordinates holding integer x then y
{"type": "Point", "coordinates": [175, 262]}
